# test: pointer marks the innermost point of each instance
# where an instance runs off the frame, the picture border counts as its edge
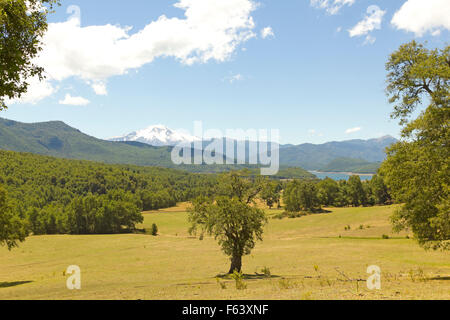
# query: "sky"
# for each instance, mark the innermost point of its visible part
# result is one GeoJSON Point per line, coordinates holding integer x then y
{"type": "Point", "coordinates": [314, 69]}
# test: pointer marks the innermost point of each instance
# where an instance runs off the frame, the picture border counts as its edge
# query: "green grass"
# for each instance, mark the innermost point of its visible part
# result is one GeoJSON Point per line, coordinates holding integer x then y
{"type": "Point", "coordinates": [311, 257]}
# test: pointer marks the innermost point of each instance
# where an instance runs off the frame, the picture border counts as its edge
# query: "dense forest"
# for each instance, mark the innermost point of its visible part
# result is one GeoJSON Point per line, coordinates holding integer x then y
{"type": "Point", "coordinates": [310, 196]}
{"type": "Point", "coordinates": [82, 197]}
{"type": "Point", "coordinates": [60, 196]}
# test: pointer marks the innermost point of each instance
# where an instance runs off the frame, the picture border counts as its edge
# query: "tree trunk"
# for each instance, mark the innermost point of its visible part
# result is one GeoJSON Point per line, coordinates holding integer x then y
{"type": "Point", "coordinates": [236, 264]}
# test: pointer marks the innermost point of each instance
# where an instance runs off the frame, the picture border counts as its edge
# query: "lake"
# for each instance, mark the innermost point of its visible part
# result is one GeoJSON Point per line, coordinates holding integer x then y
{"type": "Point", "coordinates": [340, 175]}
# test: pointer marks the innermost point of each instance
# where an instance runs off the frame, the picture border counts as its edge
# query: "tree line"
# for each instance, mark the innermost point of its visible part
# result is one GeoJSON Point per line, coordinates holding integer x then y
{"type": "Point", "coordinates": [58, 196]}
{"type": "Point", "coordinates": [310, 196]}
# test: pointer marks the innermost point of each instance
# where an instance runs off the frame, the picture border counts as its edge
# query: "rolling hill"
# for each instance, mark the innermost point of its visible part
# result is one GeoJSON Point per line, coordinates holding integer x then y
{"type": "Point", "coordinates": [57, 139]}
{"type": "Point", "coordinates": [60, 140]}
{"type": "Point", "coordinates": [317, 157]}
{"type": "Point", "coordinates": [351, 165]}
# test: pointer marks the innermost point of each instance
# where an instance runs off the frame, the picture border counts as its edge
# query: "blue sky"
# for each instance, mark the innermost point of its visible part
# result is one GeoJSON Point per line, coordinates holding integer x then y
{"type": "Point", "coordinates": [304, 75]}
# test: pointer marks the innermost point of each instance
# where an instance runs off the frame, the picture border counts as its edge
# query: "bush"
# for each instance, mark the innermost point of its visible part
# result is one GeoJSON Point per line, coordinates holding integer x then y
{"type": "Point", "coordinates": [238, 277]}
{"type": "Point", "coordinates": [154, 230]}
{"type": "Point", "coordinates": [266, 272]}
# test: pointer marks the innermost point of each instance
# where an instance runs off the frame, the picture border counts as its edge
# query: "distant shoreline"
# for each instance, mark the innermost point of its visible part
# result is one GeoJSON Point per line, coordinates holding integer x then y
{"type": "Point", "coordinates": [346, 173]}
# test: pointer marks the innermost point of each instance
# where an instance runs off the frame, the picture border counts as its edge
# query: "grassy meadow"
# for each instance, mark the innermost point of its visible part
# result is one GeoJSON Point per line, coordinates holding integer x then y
{"type": "Point", "coordinates": [311, 257]}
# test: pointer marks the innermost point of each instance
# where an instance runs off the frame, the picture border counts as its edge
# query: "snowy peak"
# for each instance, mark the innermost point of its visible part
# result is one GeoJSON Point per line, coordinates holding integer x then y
{"type": "Point", "coordinates": [158, 135]}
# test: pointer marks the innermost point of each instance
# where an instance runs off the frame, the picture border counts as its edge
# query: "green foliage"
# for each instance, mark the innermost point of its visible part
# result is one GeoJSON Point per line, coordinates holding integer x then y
{"type": "Point", "coordinates": [230, 217]}
{"type": "Point", "coordinates": [154, 230]}
{"type": "Point", "coordinates": [415, 72]}
{"type": "Point", "coordinates": [301, 196]}
{"type": "Point", "coordinates": [292, 173]}
{"type": "Point", "coordinates": [59, 196]}
{"type": "Point", "coordinates": [22, 25]}
{"type": "Point", "coordinates": [379, 191]}
{"type": "Point", "coordinates": [328, 192]}
{"type": "Point", "coordinates": [351, 165]}
{"type": "Point", "coordinates": [309, 196]}
{"type": "Point", "coordinates": [417, 169]}
{"type": "Point", "coordinates": [356, 192]}
{"type": "Point", "coordinates": [104, 214]}
{"type": "Point", "coordinates": [238, 278]}
{"type": "Point", "coordinates": [271, 193]}
{"type": "Point", "coordinates": [12, 228]}
{"type": "Point", "coordinates": [266, 272]}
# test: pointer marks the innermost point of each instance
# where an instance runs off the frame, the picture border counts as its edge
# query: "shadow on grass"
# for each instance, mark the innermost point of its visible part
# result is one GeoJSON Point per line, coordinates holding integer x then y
{"type": "Point", "coordinates": [294, 215]}
{"type": "Point", "coordinates": [440, 278]}
{"type": "Point", "coordinates": [13, 284]}
{"type": "Point", "coordinates": [249, 276]}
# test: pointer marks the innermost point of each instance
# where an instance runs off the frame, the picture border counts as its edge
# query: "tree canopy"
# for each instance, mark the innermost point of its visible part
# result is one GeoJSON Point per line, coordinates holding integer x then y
{"type": "Point", "coordinates": [12, 228]}
{"type": "Point", "coordinates": [22, 25]}
{"type": "Point", "coordinates": [58, 196]}
{"type": "Point", "coordinates": [417, 170]}
{"type": "Point", "coordinates": [231, 217]}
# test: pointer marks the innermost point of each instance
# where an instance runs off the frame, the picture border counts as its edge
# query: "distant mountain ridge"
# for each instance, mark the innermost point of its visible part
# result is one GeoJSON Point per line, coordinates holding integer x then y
{"type": "Point", "coordinates": [315, 157]}
{"type": "Point", "coordinates": [351, 165]}
{"type": "Point", "coordinates": [55, 138]}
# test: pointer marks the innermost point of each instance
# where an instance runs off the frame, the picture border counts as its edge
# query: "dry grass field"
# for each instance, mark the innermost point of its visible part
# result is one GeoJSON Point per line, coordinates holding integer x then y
{"type": "Point", "coordinates": [312, 257]}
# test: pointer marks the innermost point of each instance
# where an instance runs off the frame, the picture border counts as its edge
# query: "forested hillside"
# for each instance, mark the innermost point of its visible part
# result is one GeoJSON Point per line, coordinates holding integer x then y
{"type": "Point", "coordinates": [316, 157]}
{"type": "Point", "coordinates": [60, 140]}
{"type": "Point", "coordinates": [351, 165]}
{"type": "Point", "coordinates": [82, 197]}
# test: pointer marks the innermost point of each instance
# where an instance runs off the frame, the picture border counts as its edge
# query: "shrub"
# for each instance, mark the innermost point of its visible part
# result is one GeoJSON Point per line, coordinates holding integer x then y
{"type": "Point", "coordinates": [238, 277]}
{"type": "Point", "coordinates": [154, 230]}
{"type": "Point", "coordinates": [266, 272]}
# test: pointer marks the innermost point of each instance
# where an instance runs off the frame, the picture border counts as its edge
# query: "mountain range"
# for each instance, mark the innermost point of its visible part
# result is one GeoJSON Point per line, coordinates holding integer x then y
{"type": "Point", "coordinates": [157, 136]}
{"type": "Point", "coordinates": [57, 139]}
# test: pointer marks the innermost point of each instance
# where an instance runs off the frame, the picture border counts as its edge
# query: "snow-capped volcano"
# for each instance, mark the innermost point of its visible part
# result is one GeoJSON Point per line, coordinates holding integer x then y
{"type": "Point", "coordinates": [158, 136]}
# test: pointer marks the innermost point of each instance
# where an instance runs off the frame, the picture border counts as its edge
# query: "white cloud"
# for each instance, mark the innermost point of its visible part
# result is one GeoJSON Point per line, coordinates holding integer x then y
{"type": "Point", "coordinates": [353, 130]}
{"type": "Point", "coordinates": [422, 16]}
{"type": "Point", "coordinates": [99, 88]}
{"type": "Point", "coordinates": [234, 78]}
{"type": "Point", "coordinates": [267, 32]}
{"type": "Point", "coordinates": [210, 31]}
{"type": "Point", "coordinates": [74, 101]}
{"type": "Point", "coordinates": [372, 21]}
{"type": "Point", "coordinates": [331, 6]}
{"type": "Point", "coordinates": [436, 33]}
{"type": "Point", "coordinates": [37, 90]}
{"type": "Point", "coordinates": [369, 40]}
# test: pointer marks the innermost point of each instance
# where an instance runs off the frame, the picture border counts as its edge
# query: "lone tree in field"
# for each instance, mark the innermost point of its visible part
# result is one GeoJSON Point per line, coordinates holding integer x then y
{"type": "Point", "coordinates": [22, 24]}
{"type": "Point", "coordinates": [12, 229]}
{"type": "Point", "coordinates": [231, 217]}
{"type": "Point", "coordinates": [417, 170]}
